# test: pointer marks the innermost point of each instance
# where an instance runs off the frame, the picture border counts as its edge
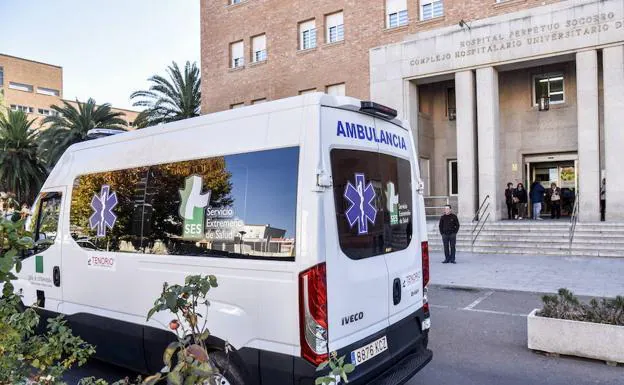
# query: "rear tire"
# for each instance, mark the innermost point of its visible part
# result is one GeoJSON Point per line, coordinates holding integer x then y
{"type": "Point", "coordinates": [231, 371]}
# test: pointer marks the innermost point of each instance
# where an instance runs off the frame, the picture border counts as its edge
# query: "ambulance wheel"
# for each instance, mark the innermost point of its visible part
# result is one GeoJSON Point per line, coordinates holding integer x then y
{"type": "Point", "coordinates": [231, 370]}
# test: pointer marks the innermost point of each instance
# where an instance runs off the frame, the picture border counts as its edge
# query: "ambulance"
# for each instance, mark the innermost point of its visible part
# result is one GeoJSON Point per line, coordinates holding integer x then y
{"type": "Point", "coordinates": [308, 210]}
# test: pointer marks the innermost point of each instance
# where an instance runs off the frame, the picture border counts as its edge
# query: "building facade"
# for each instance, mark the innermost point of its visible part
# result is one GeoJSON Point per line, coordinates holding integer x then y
{"type": "Point", "coordinates": [33, 87]}
{"type": "Point", "coordinates": [473, 92]}
{"type": "Point", "coordinates": [271, 49]}
{"type": "Point", "coordinates": [495, 91]}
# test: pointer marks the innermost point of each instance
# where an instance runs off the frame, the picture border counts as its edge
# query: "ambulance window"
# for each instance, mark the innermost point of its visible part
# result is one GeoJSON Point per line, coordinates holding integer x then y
{"type": "Point", "coordinates": [45, 220]}
{"type": "Point", "coordinates": [373, 200]}
{"type": "Point", "coordinates": [107, 209]}
{"type": "Point", "coordinates": [233, 206]}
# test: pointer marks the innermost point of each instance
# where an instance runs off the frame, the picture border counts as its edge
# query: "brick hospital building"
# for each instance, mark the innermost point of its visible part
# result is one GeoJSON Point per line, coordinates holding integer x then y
{"type": "Point", "coordinates": [495, 91]}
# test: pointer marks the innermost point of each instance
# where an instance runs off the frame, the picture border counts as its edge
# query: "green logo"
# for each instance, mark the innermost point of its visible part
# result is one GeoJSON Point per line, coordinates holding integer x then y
{"type": "Point", "coordinates": [192, 208]}
{"type": "Point", "coordinates": [39, 264]}
{"type": "Point", "coordinates": [392, 203]}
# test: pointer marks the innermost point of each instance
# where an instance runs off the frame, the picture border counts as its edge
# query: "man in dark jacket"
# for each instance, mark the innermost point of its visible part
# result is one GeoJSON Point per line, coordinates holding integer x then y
{"type": "Point", "coordinates": [449, 226]}
{"type": "Point", "coordinates": [537, 197]}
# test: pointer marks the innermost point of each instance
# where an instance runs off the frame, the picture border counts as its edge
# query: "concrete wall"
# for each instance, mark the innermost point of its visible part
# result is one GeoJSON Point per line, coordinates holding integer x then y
{"type": "Point", "coordinates": [524, 129]}
{"type": "Point", "coordinates": [437, 134]}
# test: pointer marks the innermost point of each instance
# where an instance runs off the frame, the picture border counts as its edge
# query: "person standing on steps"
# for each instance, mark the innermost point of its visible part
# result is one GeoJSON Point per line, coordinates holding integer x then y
{"type": "Point", "coordinates": [555, 201]}
{"type": "Point", "coordinates": [537, 197]}
{"type": "Point", "coordinates": [511, 206]}
{"type": "Point", "coordinates": [521, 196]}
{"type": "Point", "coordinates": [449, 226]}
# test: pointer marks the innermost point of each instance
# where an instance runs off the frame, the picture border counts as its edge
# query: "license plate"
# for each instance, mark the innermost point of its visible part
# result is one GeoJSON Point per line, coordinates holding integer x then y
{"type": "Point", "coordinates": [363, 354]}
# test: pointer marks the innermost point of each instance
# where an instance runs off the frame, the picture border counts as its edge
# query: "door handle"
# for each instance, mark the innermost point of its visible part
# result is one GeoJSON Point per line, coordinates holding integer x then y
{"type": "Point", "coordinates": [56, 276]}
{"type": "Point", "coordinates": [396, 291]}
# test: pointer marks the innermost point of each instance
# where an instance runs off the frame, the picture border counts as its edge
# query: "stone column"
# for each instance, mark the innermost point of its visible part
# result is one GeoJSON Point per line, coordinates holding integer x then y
{"type": "Point", "coordinates": [488, 138]}
{"type": "Point", "coordinates": [466, 144]}
{"type": "Point", "coordinates": [613, 75]}
{"type": "Point", "coordinates": [588, 135]}
{"type": "Point", "coordinates": [410, 108]}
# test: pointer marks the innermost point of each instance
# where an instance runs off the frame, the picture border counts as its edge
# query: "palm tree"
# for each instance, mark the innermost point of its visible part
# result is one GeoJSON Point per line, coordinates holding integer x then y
{"type": "Point", "coordinates": [168, 100]}
{"type": "Point", "coordinates": [70, 125]}
{"type": "Point", "coordinates": [22, 171]}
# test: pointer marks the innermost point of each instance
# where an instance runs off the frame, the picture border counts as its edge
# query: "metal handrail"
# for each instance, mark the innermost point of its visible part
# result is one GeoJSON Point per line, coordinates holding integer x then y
{"type": "Point", "coordinates": [573, 221]}
{"type": "Point", "coordinates": [478, 217]}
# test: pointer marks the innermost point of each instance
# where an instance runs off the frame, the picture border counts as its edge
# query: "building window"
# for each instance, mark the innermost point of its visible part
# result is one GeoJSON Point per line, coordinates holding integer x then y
{"type": "Point", "coordinates": [451, 110]}
{"type": "Point", "coordinates": [1, 76]}
{"type": "Point", "coordinates": [430, 9]}
{"type": "Point", "coordinates": [258, 101]}
{"type": "Point", "coordinates": [237, 105]}
{"type": "Point", "coordinates": [26, 109]}
{"type": "Point", "coordinates": [452, 177]}
{"type": "Point", "coordinates": [21, 87]}
{"type": "Point", "coordinates": [336, 89]}
{"type": "Point", "coordinates": [48, 91]}
{"type": "Point", "coordinates": [335, 27]}
{"type": "Point", "coordinates": [237, 53]}
{"type": "Point", "coordinates": [551, 86]}
{"type": "Point", "coordinates": [232, 2]}
{"type": "Point", "coordinates": [258, 46]}
{"type": "Point", "coordinates": [308, 91]}
{"type": "Point", "coordinates": [396, 13]}
{"type": "Point", "coordinates": [307, 35]}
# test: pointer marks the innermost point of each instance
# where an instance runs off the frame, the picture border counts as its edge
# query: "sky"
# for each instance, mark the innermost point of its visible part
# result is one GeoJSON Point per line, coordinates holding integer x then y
{"type": "Point", "coordinates": [107, 49]}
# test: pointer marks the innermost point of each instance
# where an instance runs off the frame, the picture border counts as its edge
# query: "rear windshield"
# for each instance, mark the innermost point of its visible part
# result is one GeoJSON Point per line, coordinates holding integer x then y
{"type": "Point", "coordinates": [373, 198]}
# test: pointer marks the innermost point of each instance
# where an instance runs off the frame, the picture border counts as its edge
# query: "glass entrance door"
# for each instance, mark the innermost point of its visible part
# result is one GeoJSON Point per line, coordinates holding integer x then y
{"type": "Point", "coordinates": [563, 174]}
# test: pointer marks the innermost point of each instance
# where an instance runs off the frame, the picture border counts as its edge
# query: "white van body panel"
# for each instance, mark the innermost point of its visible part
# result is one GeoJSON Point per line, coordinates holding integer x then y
{"type": "Point", "coordinates": [256, 304]}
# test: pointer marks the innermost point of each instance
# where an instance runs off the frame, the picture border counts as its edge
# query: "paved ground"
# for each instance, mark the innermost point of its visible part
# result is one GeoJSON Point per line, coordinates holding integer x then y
{"type": "Point", "coordinates": [478, 337]}
{"type": "Point", "coordinates": [592, 276]}
{"type": "Point", "coordinates": [479, 311]}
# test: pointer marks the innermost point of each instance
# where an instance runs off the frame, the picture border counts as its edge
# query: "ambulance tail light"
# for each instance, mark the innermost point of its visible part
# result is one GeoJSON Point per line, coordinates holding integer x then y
{"type": "Point", "coordinates": [424, 247]}
{"type": "Point", "coordinates": [313, 314]}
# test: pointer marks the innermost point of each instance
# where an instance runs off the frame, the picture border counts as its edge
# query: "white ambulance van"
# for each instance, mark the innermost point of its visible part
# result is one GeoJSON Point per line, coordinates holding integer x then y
{"type": "Point", "coordinates": [309, 211]}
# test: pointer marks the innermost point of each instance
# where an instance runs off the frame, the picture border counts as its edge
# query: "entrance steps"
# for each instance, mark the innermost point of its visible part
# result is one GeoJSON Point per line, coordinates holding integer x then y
{"type": "Point", "coordinates": [600, 239]}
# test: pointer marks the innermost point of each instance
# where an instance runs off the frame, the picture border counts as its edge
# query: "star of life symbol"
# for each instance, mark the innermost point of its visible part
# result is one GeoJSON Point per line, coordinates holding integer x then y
{"type": "Point", "coordinates": [103, 215]}
{"type": "Point", "coordinates": [362, 209]}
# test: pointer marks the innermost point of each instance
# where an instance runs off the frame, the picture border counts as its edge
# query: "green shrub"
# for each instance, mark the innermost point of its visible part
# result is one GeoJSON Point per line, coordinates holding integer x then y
{"type": "Point", "coordinates": [24, 355]}
{"type": "Point", "coordinates": [567, 306]}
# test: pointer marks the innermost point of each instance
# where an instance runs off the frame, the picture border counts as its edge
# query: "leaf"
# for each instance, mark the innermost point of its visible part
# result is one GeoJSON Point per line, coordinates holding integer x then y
{"type": "Point", "coordinates": [6, 263]}
{"type": "Point", "coordinates": [151, 380]}
{"type": "Point", "coordinates": [204, 335]}
{"type": "Point", "coordinates": [151, 313]}
{"type": "Point", "coordinates": [169, 352]}
{"type": "Point", "coordinates": [203, 370]}
{"type": "Point", "coordinates": [349, 368]}
{"type": "Point", "coordinates": [322, 366]}
{"type": "Point", "coordinates": [174, 378]}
